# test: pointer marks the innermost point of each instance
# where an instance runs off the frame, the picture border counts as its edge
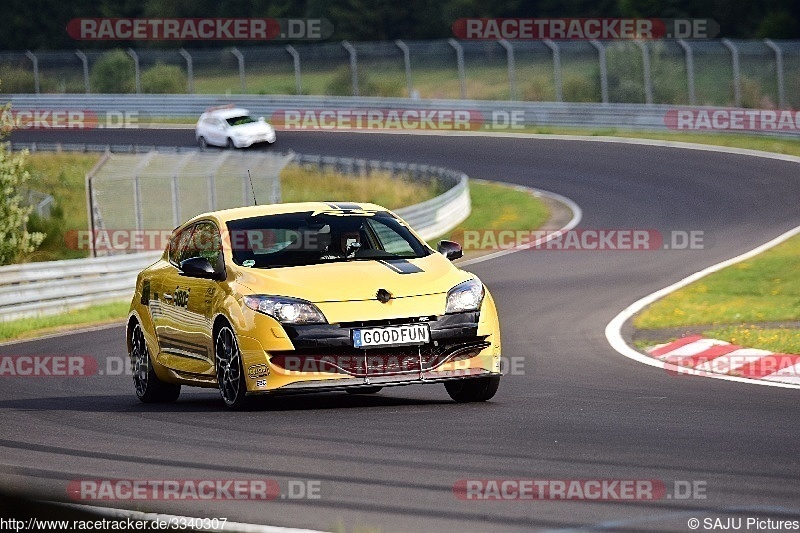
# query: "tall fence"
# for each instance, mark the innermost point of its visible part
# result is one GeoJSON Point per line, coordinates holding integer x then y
{"type": "Point", "coordinates": [159, 190]}
{"type": "Point", "coordinates": [740, 73]}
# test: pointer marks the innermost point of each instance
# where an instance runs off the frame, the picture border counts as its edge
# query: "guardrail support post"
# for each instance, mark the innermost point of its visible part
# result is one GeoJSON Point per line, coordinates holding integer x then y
{"type": "Point", "coordinates": [601, 58]}
{"type": "Point", "coordinates": [557, 83]}
{"type": "Point", "coordinates": [687, 50]}
{"type": "Point", "coordinates": [85, 62]}
{"type": "Point", "coordinates": [135, 57]}
{"type": "Point", "coordinates": [648, 81]}
{"type": "Point", "coordinates": [296, 62]}
{"type": "Point", "coordinates": [353, 65]}
{"type": "Point", "coordinates": [30, 55]}
{"type": "Point", "coordinates": [189, 68]}
{"type": "Point", "coordinates": [512, 69]}
{"type": "Point", "coordinates": [462, 77]}
{"type": "Point", "coordinates": [779, 71]}
{"type": "Point", "coordinates": [737, 74]}
{"type": "Point", "coordinates": [240, 58]}
{"type": "Point", "coordinates": [407, 63]}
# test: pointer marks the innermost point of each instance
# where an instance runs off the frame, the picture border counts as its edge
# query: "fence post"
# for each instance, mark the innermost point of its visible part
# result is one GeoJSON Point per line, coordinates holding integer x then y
{"type": "Point", "coordinates": [240, 58]}
{"type": "Point", "coordinates": [407, 63]}
{"type": "Point", "coordinates": [687, 50]}
{"type": "Point", "coordinates": [296, 62]}
{"type": "Point", "coordinates": [462, 77]}
{"type": "Point", "coordinates": [353, 65]}
{"type": "Point", "coordinates": [35, 61]}
{"type": "Point", "coordinates": [737, 75]}
{"type": "Point", "coordinates": [648, 81]}
{"type": "Point", "coordinates": [85, 62]}
{"type": "Point", "coordinates": [601, 58]}
{"type": "Point", "coordinates": [137, 77]}
{"type": "Point", "coordinates": [779, 68]}
{"type": "Point", "coordinates": [512, 69]}
{"type": "Point", "coordinates": [189, 68]}
{"type": "Point", "coordinates": [556, 69]}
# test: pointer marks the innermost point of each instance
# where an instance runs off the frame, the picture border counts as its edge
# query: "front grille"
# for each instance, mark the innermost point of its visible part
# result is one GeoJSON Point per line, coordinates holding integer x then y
{"type": "Point", "coordinates": [378, 361]}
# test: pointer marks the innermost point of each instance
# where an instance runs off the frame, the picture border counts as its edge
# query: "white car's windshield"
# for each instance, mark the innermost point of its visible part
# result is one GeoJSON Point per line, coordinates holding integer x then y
{"type": "Point", "coordinates": [238, 121]}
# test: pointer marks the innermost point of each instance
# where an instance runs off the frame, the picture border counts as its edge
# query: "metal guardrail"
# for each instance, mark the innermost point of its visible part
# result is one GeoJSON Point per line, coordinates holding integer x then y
{"type": "Point", "coordinates": [52, 287]}
{"type": "Point", "coordinates": [486, 115]}
{"type": "Point", "coordinates": [37, 289]}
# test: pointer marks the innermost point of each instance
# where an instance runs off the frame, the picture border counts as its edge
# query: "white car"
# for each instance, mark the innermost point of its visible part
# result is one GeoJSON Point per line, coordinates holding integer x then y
{"type": "Point", "coordinates": [232, 127]}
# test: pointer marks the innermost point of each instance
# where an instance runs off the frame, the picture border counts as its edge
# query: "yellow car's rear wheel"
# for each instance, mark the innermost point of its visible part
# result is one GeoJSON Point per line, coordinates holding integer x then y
{"type": "Point", "coordinates": [149, 389]}
{"type": "Point", "coordinates": [230, 376]}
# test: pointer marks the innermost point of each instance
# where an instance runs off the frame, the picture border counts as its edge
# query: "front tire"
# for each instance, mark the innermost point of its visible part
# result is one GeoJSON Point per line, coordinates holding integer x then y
{"type": "Point", "coordinates": [230, 377]}
{"type": "Point", "coordinates": [229, 144]}
{"type": "Point", "coordinates": [149, 389]}
{"type": "Point", "coordinates": [201, 141]}
{"type": "Point", "coordinates": [472, 389]}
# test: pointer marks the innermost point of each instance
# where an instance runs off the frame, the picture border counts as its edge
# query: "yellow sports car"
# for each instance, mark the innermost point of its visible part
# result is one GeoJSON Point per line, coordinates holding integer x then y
{"type": "Point", "coordinates": [309, 297]}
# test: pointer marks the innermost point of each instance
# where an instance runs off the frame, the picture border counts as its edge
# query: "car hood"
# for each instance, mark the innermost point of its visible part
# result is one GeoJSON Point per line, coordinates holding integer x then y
{"type": "Point", "coordinates": [355, 280]}
{"type": "Point", "coordinates": [253, 128]}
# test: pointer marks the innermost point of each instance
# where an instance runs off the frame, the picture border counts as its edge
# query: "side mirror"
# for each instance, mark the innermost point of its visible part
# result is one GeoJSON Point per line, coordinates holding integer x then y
{"type": "Point", "coordinates": [449, 249]}
{"type": "Point", "coordinates": [199, 267]}
{"type": "Point", "coordinates": [262, 119]}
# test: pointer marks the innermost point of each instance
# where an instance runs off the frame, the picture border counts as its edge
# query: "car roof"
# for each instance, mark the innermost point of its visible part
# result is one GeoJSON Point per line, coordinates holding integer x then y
{"type": "Point", "coordinates": [227, 112]}
{"type": "Point", "coordinates": [237, 213]}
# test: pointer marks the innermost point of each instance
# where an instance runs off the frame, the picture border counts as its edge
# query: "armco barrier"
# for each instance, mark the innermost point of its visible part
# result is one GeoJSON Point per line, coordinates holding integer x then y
{"type": "Point", "coordinates": [46, 288]}
{"type": "Point", "coordinates": [485, 115]}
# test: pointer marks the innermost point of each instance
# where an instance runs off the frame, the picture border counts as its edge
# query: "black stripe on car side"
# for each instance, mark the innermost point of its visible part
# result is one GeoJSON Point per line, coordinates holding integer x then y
{"type": "Point", "coordinates": [401, 266]}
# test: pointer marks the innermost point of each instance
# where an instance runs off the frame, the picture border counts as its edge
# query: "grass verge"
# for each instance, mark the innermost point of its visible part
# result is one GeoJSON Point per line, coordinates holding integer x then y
{"type": "Point", "coordinates": [763, 289]}
{"type": "Point", "coordinates": [36, 327]}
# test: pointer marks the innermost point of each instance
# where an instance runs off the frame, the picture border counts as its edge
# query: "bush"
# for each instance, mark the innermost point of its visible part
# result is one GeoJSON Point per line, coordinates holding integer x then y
{"type": "Point", "coordinates": [342, 84]}
{"type": "Point", "coordinates": [16, 80]}
{"type": "Point", "coordinates": [164, 79]}
{"type": "Point", "coordinates": [582, 87]}
{"type": "Point", "coordinates": [114, 72]}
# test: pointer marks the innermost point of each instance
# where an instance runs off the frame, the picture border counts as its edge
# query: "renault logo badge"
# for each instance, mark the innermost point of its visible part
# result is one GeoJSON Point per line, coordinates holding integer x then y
{"type": "Point", "coordinates": [383, 295]}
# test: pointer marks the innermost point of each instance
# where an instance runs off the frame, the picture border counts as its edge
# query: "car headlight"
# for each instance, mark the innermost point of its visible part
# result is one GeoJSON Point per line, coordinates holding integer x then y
{"type": "Point", "coordinates": [466, 296]}
{"type": "Point", "coordinates": [286, 310]}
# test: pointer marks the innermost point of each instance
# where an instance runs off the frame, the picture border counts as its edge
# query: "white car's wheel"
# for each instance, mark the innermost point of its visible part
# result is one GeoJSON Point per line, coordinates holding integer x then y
{"type": "Point", "coordinates": [201, 141]}
{"type": "Point", "coordinates": [229, 144]}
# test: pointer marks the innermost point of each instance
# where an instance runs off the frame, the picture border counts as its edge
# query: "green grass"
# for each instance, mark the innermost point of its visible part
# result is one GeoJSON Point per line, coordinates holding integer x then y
{"type": "Point", "coordinates": [63, 176]}
{"type": "Point", "coordinates": [781, 340]}
{"type": "Point", "coordinates": [765, 288]}
{"type": "Point", "coordinates": [302, 185]}
{"type": "Point", "coordinates": [499, 207]}
{"type": "Point", "coordinates": [35, 327]}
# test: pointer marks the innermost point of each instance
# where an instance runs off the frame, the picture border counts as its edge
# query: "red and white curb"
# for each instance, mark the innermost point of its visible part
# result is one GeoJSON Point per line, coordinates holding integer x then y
{"type": "Point", "coordinates": [697, 354]}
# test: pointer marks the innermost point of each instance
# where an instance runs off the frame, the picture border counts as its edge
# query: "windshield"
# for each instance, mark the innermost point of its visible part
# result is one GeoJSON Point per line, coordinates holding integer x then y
{"type": "Point", "coordinates": [295, 239]}
{"type": "Point", "coordinates": [238, 121]}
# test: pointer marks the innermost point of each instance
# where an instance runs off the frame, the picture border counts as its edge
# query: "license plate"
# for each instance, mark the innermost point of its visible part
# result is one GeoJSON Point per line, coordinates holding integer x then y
{"type": "Point", "coordinates": [412, 334]}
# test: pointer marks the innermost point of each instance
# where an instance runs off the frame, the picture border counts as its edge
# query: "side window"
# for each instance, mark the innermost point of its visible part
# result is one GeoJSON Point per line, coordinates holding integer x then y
{"type": "Point", "coordinates": [204, 242]}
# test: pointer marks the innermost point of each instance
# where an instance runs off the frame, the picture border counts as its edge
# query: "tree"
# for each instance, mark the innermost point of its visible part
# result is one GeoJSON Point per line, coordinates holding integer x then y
{"type": "Point", "coordinates": [15, 240]}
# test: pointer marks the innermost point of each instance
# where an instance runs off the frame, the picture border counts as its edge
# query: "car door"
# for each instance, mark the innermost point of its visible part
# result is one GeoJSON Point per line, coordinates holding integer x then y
{"type": "Point", "coordinates": [185, 329]}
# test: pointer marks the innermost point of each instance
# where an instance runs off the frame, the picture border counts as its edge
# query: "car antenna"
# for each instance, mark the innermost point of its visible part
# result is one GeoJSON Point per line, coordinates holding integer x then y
{"type": "Point", "coordinates": [255, 202]}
